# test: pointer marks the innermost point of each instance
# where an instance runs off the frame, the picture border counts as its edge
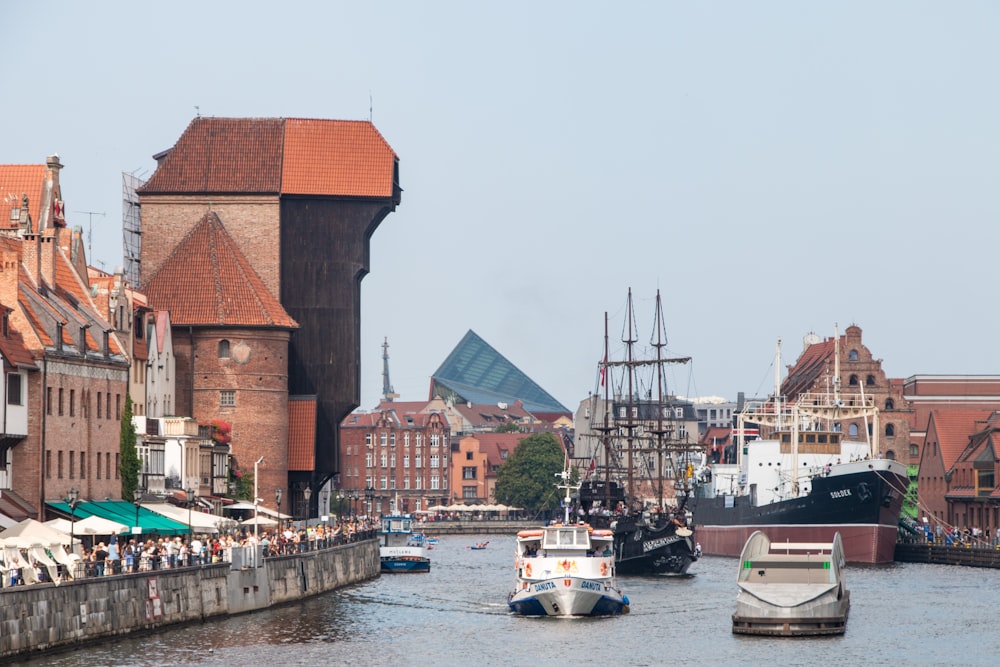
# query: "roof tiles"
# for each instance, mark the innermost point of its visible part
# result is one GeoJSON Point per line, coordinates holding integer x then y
{"type": "Point", "coordinates": [206, 281]}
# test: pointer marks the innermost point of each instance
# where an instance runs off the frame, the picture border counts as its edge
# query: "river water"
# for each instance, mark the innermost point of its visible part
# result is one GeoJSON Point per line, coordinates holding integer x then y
{"type": "Point", "coordinates": [901, 613]}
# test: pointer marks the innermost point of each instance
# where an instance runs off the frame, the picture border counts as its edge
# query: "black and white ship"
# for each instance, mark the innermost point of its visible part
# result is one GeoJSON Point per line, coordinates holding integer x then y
{"type": "Point", "coordinates": [636, 484]}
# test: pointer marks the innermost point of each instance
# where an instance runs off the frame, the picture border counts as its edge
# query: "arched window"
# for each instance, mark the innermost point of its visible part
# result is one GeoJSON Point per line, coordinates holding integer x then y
{"type": "Point", "coordinates": [852, 430]}
{"type": "Point", "coordinates": [890, 454]}
{"type": "Point", "coordinates": [852, 355]}
{"type": "Point", "coordinates": [853, 381]}
{"type": "Point", "coordinates": [890, 404]}
{"type": "Point", "coordinates": [890, 430]}
{"type": "Point", "coordinates": [870, 380]}
{"type": "Point", "coordinates": [223, 349]}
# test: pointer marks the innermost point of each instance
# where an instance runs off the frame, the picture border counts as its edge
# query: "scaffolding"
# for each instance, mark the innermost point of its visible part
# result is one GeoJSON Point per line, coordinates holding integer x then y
{"type": "Point", "coordinates": [131, 227]}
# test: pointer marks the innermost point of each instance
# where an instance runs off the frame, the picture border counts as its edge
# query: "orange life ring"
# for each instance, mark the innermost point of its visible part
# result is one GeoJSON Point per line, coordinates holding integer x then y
{"type": "Point", "coordinates": [527, 569]}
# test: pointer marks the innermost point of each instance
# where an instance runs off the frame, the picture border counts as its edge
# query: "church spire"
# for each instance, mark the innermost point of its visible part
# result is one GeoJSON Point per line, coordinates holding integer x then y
{"type": "Point", "coordinates": [387, 394]}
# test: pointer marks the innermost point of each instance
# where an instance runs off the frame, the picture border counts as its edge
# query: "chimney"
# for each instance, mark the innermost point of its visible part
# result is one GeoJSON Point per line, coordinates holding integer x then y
{"type": "Point", "coordinates": [51, 213]}
{"type": "Point", "coordinates": [9, 262]}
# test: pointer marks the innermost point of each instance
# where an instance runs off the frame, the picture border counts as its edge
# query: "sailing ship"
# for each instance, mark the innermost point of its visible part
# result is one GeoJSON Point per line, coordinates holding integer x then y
{"type": "Point", "coordinates": [800, 478]}
{"type": "Point", "coordinates": [637, 483]}
{"type": "Point", "coordinates": [565, 569]}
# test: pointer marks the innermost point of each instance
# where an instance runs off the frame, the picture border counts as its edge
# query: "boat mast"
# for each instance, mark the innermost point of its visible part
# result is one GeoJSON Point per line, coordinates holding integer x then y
{"type": "Point", "coordinates": [660, 395]}
{"type": "Point", "coordinates": [630, 424]}
{"type": "Point", "coordinates": [606, 381]}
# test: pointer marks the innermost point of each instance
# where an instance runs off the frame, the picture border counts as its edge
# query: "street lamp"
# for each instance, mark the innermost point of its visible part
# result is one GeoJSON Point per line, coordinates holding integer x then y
{"type": "Point", "coordinates": [256, 497]}
{"type": "Point", "coordinates": [369, 498]}
{"type": "Point", "coordinates": [190, 495]}
{"type": "Point", "coordinates": [137, 498]}
{"type": "Point", "coordinates": [277, 503]}
{"type": "Point", "coordinates": [354, 502]}
{"type": "Point", "coordinates": [307, 492]}
{"type": "Point", "coordinates": [72, 499]}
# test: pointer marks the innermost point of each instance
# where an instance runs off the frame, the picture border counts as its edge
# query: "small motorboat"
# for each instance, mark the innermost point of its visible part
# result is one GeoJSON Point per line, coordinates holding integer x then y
{"type": "Point", "coordinates": [479, 545]}
{"type": "Point", "coordinates": [791, 589]}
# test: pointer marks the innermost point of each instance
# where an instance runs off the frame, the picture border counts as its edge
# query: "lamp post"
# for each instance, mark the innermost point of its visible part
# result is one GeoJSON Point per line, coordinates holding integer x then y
{"type": "Point", "coordinates": [190, 495]}
{"type": "Point", "coordinates": [256, 497]}
{"type": "Point", "coordinates": [369, 500]}
{"type": "Point", "coordinates": [277, 503]}
{"type": "Point", "coordinates": [72, 499]}
{"type": "Point", "coordinates": [307, 493]}
{"type": "Point", "coordinates": [354, 502]}
{"type": "Point", "coordinates": [137, 498]}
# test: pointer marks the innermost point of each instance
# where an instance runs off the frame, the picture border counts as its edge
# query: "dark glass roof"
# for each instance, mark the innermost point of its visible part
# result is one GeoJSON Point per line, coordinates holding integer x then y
{"type": "Point", "coordinates": [475, 372]}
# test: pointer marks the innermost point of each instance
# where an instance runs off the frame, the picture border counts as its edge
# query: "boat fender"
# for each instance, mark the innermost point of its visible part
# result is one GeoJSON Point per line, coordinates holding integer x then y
{"type": "Point", "coordinates": [527, 569]}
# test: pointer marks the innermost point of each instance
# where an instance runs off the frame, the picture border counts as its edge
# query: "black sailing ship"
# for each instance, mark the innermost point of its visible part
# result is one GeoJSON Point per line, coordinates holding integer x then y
{"type": "Point", "coordinates": [642, 452]}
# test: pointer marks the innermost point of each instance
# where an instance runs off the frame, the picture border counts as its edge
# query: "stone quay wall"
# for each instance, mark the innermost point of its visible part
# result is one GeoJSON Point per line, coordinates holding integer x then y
{"type": "Point", "coordinates": [41, 618]}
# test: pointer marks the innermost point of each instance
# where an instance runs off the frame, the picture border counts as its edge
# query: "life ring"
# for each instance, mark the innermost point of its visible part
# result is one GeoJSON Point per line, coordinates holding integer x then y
{"type": "Point", "coordinates": [527, 569]}
{"type": "Point", "coordinates": [604, 569]}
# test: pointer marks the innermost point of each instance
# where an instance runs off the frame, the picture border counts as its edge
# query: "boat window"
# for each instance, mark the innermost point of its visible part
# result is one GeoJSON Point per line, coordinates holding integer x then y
{"type": "Point", "coordinates": [821, 438]}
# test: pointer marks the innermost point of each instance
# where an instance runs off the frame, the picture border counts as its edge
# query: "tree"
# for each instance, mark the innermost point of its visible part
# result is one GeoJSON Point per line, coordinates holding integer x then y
{"type": "Point", "coordinates": [508, 427]}
{"type": "Point", "coordinates": [528, 477]}
{"type": "Point", "coordinates": [130, 464]}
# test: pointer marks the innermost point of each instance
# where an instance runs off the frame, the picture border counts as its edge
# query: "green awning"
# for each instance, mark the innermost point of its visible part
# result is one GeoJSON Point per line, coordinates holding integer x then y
{"type": "Point", "coordinates": [123, 512]}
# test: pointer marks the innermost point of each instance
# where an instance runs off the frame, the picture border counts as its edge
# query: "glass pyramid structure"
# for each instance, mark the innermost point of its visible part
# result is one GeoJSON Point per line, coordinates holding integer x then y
{"type": "Point", "coordinates": [474, 372]}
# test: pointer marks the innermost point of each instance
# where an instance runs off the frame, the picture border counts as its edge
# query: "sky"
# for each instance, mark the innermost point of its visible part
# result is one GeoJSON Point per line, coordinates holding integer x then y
{"type": "Point", "coordinates": [773, 168]}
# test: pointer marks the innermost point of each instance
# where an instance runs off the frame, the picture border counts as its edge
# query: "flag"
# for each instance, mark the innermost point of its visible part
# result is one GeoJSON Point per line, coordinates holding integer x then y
{"type": "Point", "coordinates": [604, 368]}
{"type": "Point", "coordinates": [590, 469]}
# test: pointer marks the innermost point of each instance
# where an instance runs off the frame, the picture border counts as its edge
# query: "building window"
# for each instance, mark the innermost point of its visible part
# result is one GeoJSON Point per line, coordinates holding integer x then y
{"type": "Point", "coordinates": [852, 430]}
{"type": "Point", "coordinates": [914, 451]}
{"type": "Point", "coordinates": [48, 464]}
{"type": "Point", "coordinates": [417, 462]}
{"type": "Point", "coordinates": [890, 430]}
{"type": "Point", "coordinates": [72, 402]}
{"type": "Point", "coordinates": [48, 401]}
{"type": "Point", "coordinates": [469, 472]}
{"type": "Point", "coordinates": [223, 349]}
{"type": "Point", "coordinates": [870, 380]}
{"type": "Point", "coordinates": [392, 439]}
{"type": "Point", "coordinates": [435, 482]}
{"type": "Point", "coordinates": [14, 389]}
{"type": "Point", "coordinates": [227, 398]}
{"type": "Point", "coordinates": [369, 459]}
{"type": "Point", "coordinates": [368, 439]}
{"type": "Point", "coordinates": [384, 460]}
{"type": "Point", "coordinates": [59, 470]}
{"type": "Point", "coordinates": [853, 381]}
{"type": "Point", "coordinates": [98, 405]}
{"type": "Point", "coordinates": [83, 465]}
{"type": "Point", "coordinates": [98, 465]}
{"type": "Point", "coordinates": [383, 439]}
{"type": "Point", "coordinates": [60, 401]}
{"type": "Point", "coordinates": [434, 461]}
{"type": "Point", "coordinates": [889, 404]}
{"type": "Point", "coordinates": [434, 440]}
{"type": "Point", "coordinates": [72, 465]}
{"type": "Point", "coordinates": [406, 460]}
{"type": "Point", "coordinates": [852, 355]}
{"type": "Point", "coordinates": [118, 407]}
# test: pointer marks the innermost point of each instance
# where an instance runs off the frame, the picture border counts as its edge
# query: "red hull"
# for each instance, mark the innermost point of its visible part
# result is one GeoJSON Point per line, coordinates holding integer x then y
{"type": "Point", "coordinates": [862, 543]}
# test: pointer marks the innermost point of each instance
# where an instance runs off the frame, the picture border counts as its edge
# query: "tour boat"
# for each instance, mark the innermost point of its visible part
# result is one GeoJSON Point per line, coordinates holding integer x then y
{"type": "Point", "coordinates": [791, 589]}
{"type": "Point", "coordinates": [398, 550]}
{"type": "Point", "coordinates": [566, 569]}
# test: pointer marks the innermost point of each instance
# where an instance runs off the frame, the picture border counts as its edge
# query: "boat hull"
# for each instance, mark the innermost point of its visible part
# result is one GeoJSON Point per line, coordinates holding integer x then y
{"type": "Point", "coordinates": [404, 565]}
{"type": "Point", "coordinates": [568, 596]}
{"type": "Point", "coordinates": [864, 507]}
{"type": "Point", "coordinates": [648, 548]}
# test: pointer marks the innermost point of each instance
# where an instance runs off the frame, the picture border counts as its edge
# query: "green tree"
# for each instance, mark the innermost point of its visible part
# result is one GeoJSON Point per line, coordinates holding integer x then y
{"type": "Point", "coordinates": [130, 464]}
{"type": "Point", "coordinates": [508, 427]}
{"type": "Point", "coordinates": [528, 477]}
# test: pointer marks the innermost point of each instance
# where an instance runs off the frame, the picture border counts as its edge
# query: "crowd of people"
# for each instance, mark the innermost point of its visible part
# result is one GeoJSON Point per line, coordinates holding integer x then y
{"type": "Point", "coordinates": [114, 556]}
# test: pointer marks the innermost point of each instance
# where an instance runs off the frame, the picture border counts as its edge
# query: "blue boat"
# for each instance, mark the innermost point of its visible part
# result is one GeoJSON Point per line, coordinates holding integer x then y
{"type": "Point", "coordinates": [399, 549]}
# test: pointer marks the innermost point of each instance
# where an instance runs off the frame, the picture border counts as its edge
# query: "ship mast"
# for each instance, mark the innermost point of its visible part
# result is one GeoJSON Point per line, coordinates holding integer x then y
{"type": "Point", "coordinates": [630, 424]}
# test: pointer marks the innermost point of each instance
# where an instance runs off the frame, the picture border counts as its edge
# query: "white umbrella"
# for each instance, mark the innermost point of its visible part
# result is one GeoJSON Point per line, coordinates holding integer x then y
{"type": "Point", "coordinates": [95, 525]}
{"type": "Point", "coordinates": [438, 508]}
{"type": "Point", "coordinates": [260, 521]}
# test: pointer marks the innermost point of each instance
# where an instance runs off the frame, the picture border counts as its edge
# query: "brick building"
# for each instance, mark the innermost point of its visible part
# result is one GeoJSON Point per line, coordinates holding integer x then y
{"type": "Point", "coordinates": [300, 199]}
{"type": "Point", "coordinates": [398, 461]}
{"type": "Point", "coordinates": [66, 370]}
{"type": "Point", "coordinates": [230, 340]}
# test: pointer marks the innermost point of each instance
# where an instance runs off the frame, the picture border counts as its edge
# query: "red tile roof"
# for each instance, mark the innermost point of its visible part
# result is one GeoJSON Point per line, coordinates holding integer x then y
{"type": "Point", "coordinates": [17, 180]}
{"type": "Point", "coordinates": [301, 433]}
{"type": "Point", "coordinates": [336, 157]}
{"type": "Point", "coordinates": [206, 281]}
{"type": "Point", "coordinates": [954, 429]}
{"type": "Point", "coordinates": [809, 367]}
{"type": "Point", "coordinates": [293, 156]}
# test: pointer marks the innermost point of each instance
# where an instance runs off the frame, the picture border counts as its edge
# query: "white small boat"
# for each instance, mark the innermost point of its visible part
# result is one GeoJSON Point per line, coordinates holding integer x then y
{"type": "Point", "coordinates": [791, 588]}
{"type": "Point", "coordinates": [398, 550]}
{"type": "Point", "coordinates": [566, 569]}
